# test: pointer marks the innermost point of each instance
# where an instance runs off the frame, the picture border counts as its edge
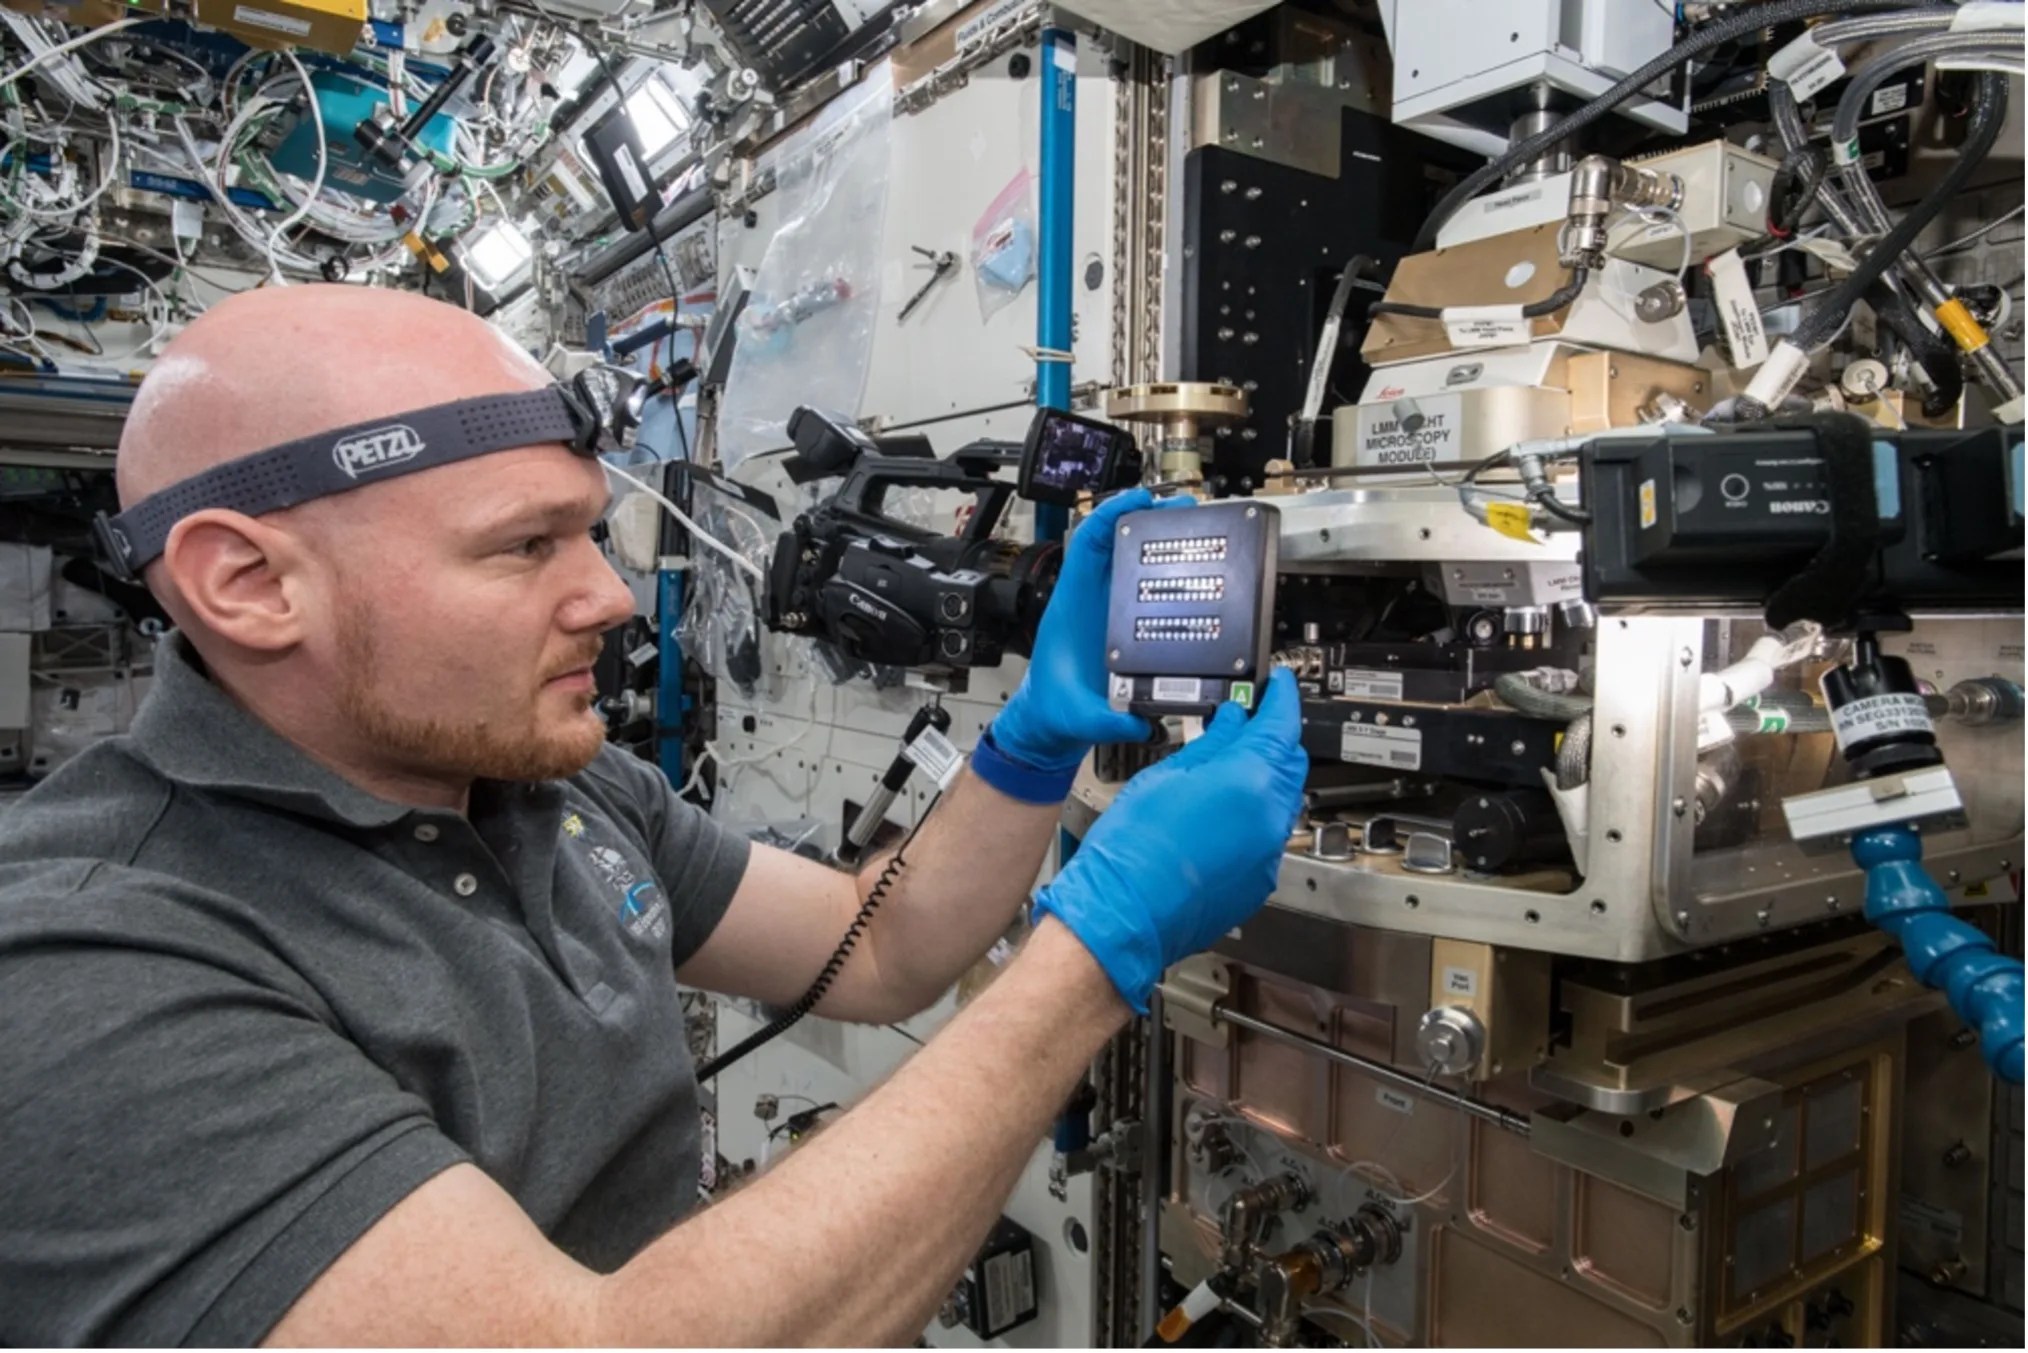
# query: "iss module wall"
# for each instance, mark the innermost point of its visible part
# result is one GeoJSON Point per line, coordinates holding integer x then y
{"type": "Point", "coordinates": [1623, 406]}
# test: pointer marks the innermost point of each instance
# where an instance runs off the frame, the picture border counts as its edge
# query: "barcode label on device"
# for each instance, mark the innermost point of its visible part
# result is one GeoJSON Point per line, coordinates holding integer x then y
{"type": "Point", "coordinates": [1372, 685]}
{"type": "Point", "coordinates": [1178, 690]}
{"type": "Point", "coordinates": [936, 756]}
{"type": "Point", "coordinates": [1377, 745]}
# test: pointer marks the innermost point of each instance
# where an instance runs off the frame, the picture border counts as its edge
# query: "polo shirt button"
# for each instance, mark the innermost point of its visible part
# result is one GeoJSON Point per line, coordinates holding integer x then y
{"type": "Point", "coordinates": [426, 832]}
{"type": "Point", "coordinates": [465, 885]}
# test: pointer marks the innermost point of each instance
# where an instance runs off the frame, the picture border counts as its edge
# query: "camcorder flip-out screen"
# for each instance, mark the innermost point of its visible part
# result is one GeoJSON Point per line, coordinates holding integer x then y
{"type": "Point", "coordinates": [1066, 455]}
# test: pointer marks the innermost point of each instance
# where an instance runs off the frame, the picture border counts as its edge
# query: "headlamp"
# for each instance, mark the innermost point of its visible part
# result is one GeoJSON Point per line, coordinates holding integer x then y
{"type": "Point", "coordinates": [581, 415]}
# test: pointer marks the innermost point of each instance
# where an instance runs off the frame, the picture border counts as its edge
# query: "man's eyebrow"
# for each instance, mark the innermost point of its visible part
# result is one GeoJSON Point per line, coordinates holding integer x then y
{"type": "Point", "coordinates": [554, 513]}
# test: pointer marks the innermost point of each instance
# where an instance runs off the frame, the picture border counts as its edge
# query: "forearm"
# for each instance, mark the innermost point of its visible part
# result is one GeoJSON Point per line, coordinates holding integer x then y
{"type": "Point", "coordinates": [858, 1236]}
{"type": "Point", "coordinates": [968, 872]}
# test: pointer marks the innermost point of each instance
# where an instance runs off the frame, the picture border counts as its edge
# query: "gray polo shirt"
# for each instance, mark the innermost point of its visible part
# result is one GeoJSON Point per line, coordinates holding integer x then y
{"type": "Point", "coordinates": [245, 1008]}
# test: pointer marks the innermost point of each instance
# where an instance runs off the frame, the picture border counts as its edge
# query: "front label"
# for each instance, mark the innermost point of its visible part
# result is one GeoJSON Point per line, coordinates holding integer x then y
{"type": "Point", "coordinates": [274, 23]}
{"type": "Point", "coordinates": [1370, 685]}
{"type": "Point", "coordinates": [1486, 331]}
{"type": "Point", "coordinates": [1394, 1099]}
{"type": "Point", "coordinates": [1365, 744]}
{"type": "Point", "coordinates": [1010, 1288]}
{"type": "Point", "coordinates": [1745, 335]}
{"type": "Point", "coordinates": [1390, 436]}
{"type": "Point", "coordinates": [1940, 1222]}
{"type": "Point", "coordinates": [1178, 690]}
{"type": "Point", "coordinates": [1805, 67]}
{"type": "Point", "coordinates": [1892, 99]}
{"type": "Point", "coordinates": [1880, 716]}
{"type": "Point", "coordinates": [938, 757]}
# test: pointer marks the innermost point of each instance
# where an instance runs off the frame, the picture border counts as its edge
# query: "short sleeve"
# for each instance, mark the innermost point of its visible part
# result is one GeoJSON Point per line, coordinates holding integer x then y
{"type": "Point", "coordinates": [185, 1144]}
{"type": "Point", "coordinates": [698, 861]}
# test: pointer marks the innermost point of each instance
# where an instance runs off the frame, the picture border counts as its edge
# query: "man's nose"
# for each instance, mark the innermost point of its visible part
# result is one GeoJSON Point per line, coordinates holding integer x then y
{"type": "Point", "coordinates": [604, 599]}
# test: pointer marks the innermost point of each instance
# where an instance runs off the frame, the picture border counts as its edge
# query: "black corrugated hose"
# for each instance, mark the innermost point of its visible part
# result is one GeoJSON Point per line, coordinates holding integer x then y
{"type": "Point", "coordinates": [1989, 111]}
{"type": "Point", "coordinates": [1936, 354]}
{"type": "Point", "coordinates": [1711, 36]}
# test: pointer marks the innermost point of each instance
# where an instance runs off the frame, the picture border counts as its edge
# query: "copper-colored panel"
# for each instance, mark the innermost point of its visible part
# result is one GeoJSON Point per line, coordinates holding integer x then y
{"type": "Point", "coordinates": [1366, 1029]}
{"type": "Point", "coordinates": [1479, 1298]}
{"type": "Point", "coordinates": [1466, 274]}
{"type": "Point", "coordinates": [1415, 1139]}
{"type": "Point", "coordinates": [1614, 389]}
{"type": "Point", "coordinates": [1512, 1190]}
{"type": "Point", "coordinates": [1624, 1241]}
{"type": "Point", "coordinates": [1206, 1069]}
{"type": "Point", "coordinates": [1283, 1085]}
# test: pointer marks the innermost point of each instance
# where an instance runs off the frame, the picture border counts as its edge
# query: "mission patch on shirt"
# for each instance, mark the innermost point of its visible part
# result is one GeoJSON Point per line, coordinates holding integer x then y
{"type": "Point", "coordinates": [249, 1008]}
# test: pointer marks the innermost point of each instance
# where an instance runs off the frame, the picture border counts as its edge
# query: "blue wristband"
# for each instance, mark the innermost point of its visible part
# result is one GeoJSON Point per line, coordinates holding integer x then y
{"type": "Point", "coordinates": [1017, 779]}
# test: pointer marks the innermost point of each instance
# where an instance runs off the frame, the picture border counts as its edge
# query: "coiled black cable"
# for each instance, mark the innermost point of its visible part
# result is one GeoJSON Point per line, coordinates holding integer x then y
{"type": "Point", "coordinates": [1713, 35]}
{"type": "Point", "coordinates": [1818, 327]}
{"type": "Point", "coordinates": [1793, 190]}
{"type": "Point", "coordinates": [807, 1002]}
{"type": "Point", "coordinates": [1989, 111]}
{"type": "Point", "coordinates": [1936, 354]}
{"type": "Point", "coordinates": [1548, 305]}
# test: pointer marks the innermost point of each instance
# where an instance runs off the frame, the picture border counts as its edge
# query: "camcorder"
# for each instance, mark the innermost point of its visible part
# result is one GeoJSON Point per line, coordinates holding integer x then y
{"type": "Point", "coordinates": [888, 593]}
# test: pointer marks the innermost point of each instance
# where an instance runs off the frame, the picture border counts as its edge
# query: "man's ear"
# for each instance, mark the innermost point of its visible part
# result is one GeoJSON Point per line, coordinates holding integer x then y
{"type": "Point", "coordinates": [246, 581]}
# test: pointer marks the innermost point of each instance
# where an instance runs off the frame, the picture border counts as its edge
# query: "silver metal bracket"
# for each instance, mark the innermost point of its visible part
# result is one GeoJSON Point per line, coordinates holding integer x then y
{"type": "Point", "coordinates": [1191, 995]}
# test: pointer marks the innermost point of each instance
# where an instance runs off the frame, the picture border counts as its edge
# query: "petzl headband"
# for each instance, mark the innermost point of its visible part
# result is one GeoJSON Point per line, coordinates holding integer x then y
{"type": "Point", "coordinates": [348, 458]}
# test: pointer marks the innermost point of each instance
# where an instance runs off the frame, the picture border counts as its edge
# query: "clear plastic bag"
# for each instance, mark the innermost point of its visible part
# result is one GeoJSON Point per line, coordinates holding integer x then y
{"type": "Point", "coordinates": [1003, 246]}
{"type": "Point", "coordinates": [721, 621]}
{"type": "Point", "coordinates": [806, 336]}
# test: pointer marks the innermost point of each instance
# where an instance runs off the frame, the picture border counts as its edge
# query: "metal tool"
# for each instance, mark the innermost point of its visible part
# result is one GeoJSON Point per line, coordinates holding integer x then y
{"type": "Point", "coordinates": [942, 264]}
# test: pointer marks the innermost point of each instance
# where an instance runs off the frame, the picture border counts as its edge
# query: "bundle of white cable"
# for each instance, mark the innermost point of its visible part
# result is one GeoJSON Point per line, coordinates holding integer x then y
{"type": "Point", "coordinates": [78, 89]}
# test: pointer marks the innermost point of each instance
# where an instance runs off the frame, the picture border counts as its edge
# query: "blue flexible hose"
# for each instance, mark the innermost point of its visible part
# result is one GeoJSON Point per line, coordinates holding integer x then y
{"type": "Point", "coordinates": [1983, 985]}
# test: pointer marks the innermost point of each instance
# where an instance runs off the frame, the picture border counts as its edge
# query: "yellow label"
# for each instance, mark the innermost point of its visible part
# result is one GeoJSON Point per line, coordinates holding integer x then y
{"type": "Point", "coordinates": [1975, 891]}
{"type": "Point", "coordinates": [1511, 520]}
{"type": "Point", "coordinates": [1647, 503]}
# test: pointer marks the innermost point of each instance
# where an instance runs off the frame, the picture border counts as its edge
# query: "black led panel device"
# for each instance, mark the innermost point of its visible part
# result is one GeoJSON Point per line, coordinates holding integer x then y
{"type": "Point", "coordinates": [1192, 605]}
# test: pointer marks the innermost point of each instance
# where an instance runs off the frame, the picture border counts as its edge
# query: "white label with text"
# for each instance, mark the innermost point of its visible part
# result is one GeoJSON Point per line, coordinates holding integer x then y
{"type": "Point", "coordinates": [1485, 326]}
{"type": "Point", "coordinates": [1407, 433]}
{"type": "Point", "coordinates": [274, 23]}
{"type": "Point", "coordinates": [1805, 67]}
{"type": "Point", "coordinates": [938, 757]}
{"type": "Point", "coordinates": [1880, 716]}
{"type": "Point", "coordinates": [1371, 685]}
{"type": "Point", "coordinates": [1745, 335]}
{"type": "Point", "coordinates": [1460, 982]}
{"type": "Point", "coordinates": [1365, 744]}
{"type": "Point", "coordinates": [1394, 1099]}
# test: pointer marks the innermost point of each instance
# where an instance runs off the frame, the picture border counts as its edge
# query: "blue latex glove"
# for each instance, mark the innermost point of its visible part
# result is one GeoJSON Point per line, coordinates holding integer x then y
{"type": "Point", "coordinates": [1060, 712]}
{"type": "Point", "coordinates": [1191, 846]}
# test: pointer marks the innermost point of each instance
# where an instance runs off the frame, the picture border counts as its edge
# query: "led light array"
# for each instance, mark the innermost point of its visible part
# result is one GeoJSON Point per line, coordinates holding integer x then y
{"type": "Point", "coordinates": [1183, 629]}
{"type": "Point", "coordinates": [1187, 550]}
{"type": "Point", "coordinates": [1208, 588]}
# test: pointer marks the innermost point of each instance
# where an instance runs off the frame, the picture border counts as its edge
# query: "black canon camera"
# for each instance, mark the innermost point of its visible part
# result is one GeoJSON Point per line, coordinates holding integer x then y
{"type": "Point", "coordinates": [888, 593]}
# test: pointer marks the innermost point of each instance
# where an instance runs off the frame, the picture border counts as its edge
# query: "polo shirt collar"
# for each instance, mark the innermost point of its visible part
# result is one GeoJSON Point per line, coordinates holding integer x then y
{"type": "Point", "coordinates": [193, 732]}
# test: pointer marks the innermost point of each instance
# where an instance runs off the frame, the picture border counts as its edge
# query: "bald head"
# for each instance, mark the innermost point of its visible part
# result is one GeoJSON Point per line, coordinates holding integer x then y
{"type": "Point", "coordinates": [279, 363]}
{"type": "Point", "coordinates": [413, 633]}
